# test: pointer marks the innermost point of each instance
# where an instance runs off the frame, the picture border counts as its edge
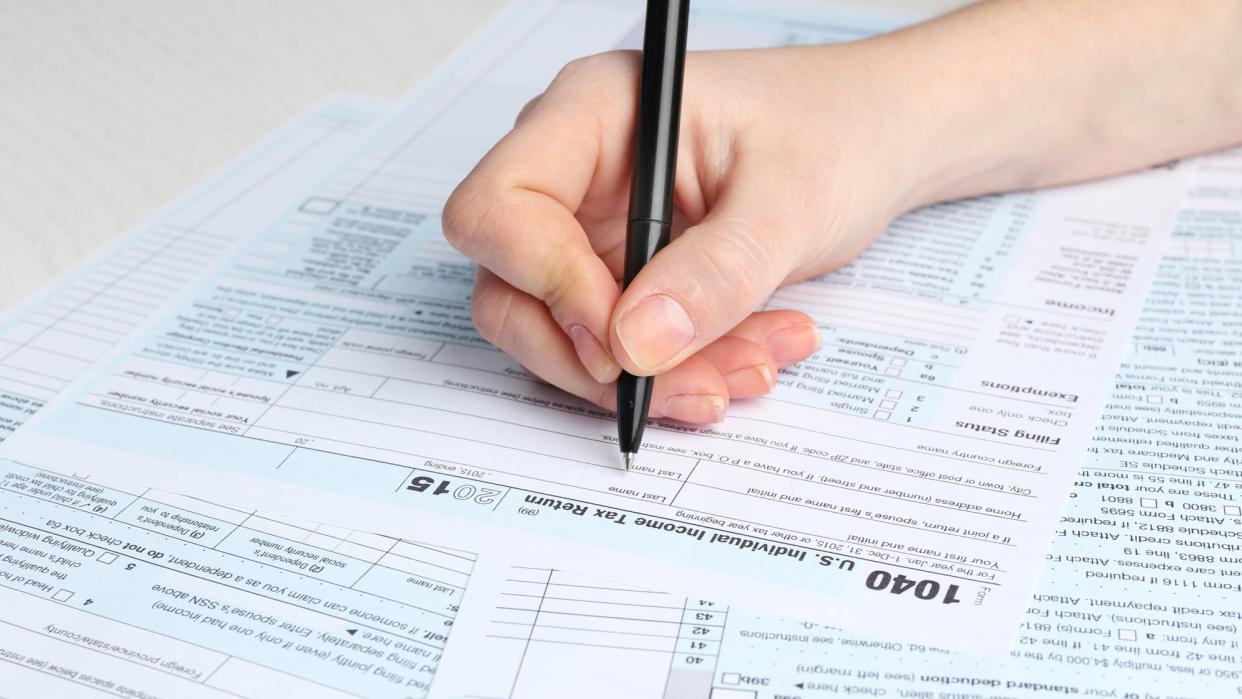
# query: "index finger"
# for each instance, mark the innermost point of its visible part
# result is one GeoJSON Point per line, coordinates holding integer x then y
{"type": "Point", "coordinates": [515, 215]}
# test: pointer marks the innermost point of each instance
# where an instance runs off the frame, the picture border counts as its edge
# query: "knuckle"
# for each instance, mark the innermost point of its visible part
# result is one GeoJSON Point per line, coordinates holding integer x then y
{"type": "Point", "coordinates": [600, 87]}
{"type": "Point", "coordinates": [527, 109]}
{"type": "Point", "coordinates": [464, 216]}
{"type": "Point", "coordinates": [489, 310]}
{"type": "Point", "coordinates": [456, 218]}
{"type": "Point", "coordinates": [597, 74]}
{"type": "Point", "coordinates": [585, 68]}
{"type": "Point", "coordinates": [560, 284]}
{"type": "Point", "coordinates": [571, 70]}
{"type": "Point", "coordinates": [556, 289]}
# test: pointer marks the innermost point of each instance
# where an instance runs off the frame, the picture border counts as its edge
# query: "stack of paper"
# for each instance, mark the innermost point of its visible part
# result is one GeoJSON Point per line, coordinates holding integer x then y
{"type": "Point", "coordinates": [293, 337]}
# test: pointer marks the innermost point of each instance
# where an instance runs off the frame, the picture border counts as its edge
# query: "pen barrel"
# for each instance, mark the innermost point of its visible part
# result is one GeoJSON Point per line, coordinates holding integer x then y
{"type": "Point", "coordinates": [656, 125]}
{"type": "Point", "coordinates": [659, 110]}
{"type": "Point", "coordinates": [643, 239]}
{"type": "Point", "coordinates": [633, 400]}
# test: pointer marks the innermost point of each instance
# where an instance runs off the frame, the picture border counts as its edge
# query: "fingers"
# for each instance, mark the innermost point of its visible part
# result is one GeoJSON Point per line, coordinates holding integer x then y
{"type": "Point", "coordinates": [789, 336]}
{"type": "Point", "coordinates": [515, 215]}
{"type": "Point", "coordinates": [694, 392]}
{"type": "Point", "coordinates": [745, 367]}
{"type": "Point", "coordinates": [750, 354]}
{"type": "Point", "coordinates": [739, 365]}
{"type": "Point", "coordinates": [522, 327]}
{"type": "Point", "coordinates": [708, 280]}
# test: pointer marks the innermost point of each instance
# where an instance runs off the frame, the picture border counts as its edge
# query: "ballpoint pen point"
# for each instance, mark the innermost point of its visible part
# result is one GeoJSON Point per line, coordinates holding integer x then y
{"type": "Point", "coordinates": [629, 460]}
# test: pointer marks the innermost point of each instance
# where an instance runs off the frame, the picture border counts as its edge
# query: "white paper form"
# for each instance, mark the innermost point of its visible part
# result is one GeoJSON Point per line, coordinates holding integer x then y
{"type": "Point", "coordinates": [904, 480]}
{"type": "Point", "coordinates": [533, 633]}
{"type": "Point", "coordinates": [127, 591]}
{"type": "Point", "coordinates": [53, 336]}
{"type": "Point", "coordinates": [121, 591]}
{"type": "Point", "coordinates": [1140, 596]}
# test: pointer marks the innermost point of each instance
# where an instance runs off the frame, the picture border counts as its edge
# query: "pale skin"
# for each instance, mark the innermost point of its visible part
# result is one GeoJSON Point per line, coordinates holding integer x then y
{"type": "Point", "coordinates": [793, 160]}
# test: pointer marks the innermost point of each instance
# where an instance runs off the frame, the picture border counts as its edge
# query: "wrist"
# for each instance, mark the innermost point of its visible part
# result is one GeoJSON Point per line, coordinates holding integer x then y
{"type": "Point", "coordinates": [942, 140]}
{"type": "Point", "coordinates": [870, 140]}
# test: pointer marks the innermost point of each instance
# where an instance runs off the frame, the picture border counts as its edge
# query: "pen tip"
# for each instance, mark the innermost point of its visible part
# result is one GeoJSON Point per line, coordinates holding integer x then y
{"type": "Point", "coordinates": [629, 460]}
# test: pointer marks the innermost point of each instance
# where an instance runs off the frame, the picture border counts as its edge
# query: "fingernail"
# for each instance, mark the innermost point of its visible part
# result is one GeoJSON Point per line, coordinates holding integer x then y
{"type": "Point", "coordinates": [591, 353]}
{"type": "Point", "coordinates": [693, 407]}
{"type": "Point", "coordinates": [655, 330]}
{"type": "Point", "coordinates": [793, 344]}
{"type": "Point", "coordinates": [749, 381]}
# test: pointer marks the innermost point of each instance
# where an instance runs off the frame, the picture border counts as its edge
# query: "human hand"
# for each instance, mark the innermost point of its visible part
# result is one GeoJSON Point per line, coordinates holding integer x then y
{"type": "Point", "coordinates": [782, 175]}
{"type": "Point", "coordinates": [791, 160]}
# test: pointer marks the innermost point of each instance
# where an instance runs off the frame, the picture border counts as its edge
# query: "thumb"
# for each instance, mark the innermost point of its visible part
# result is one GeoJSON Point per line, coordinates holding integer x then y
{"type": "Point", "coordinates": [705, 282]}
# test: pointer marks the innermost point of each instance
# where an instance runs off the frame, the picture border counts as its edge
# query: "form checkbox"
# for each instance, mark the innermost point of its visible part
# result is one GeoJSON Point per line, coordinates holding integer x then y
{"type": "Point", "coordinates": [892, 393]}
{"type": "Point", "coordinates": [893, 371]}
{"type": "Point", "coordinates": [898, 361]}
{"type": "Point", "coordinates": [888, 404]}
{"type": "Point", "coordinates": [62, 595]}
{"type": "Point", "coordinates": [1233, 510]}
{"type": "Point", "coordinates": [1147, 502]}
{"type": "Point", "coordinates": [882, 415]}
{"type": "Point", "coordinates": [1155, 399]}
{"type": "Point", "coordinates": [730, 678]}
{"type": "Point", "coordinates": [1127, 634]}
{"type": "Point", "coordinates": [318, 205]}
{"type": "Point", "coordinates": [107, 557]}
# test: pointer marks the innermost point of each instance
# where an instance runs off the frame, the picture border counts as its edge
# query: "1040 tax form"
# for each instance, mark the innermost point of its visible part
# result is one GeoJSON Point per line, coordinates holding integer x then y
{"type": "Point", "coordinates": [1138, 599]}
{"type": "Point", "coordinates": [112, 589]}
{"type": "Point", "coordinates": [903, 481]}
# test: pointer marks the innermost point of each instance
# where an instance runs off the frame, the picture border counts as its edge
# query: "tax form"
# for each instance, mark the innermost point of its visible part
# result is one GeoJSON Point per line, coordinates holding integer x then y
{"type": "Point", "coordinates": [108, 589]}
{"type": "Point", "coordinates": [1139, 597]}
{"type": "Point", "coordinates": [113, 590]}
{"type": "Point", "coordinates": [904, 480]}
{"type": "Point", "coordinates": [54, 335]}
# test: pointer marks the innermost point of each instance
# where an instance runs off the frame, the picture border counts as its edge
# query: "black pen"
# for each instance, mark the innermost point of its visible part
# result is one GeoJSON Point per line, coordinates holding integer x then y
{"type": "Point", "coordinates": [651, 188]}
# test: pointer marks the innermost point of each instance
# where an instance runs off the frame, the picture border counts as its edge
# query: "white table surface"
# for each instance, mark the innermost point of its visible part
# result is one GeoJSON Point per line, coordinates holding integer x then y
{"type": "Point", "coordinates": [109, 109]}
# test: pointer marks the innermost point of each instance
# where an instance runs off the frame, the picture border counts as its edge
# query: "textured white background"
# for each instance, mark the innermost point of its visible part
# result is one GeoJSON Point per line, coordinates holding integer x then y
{"type": "Point", "coordinates": [109, 109]}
